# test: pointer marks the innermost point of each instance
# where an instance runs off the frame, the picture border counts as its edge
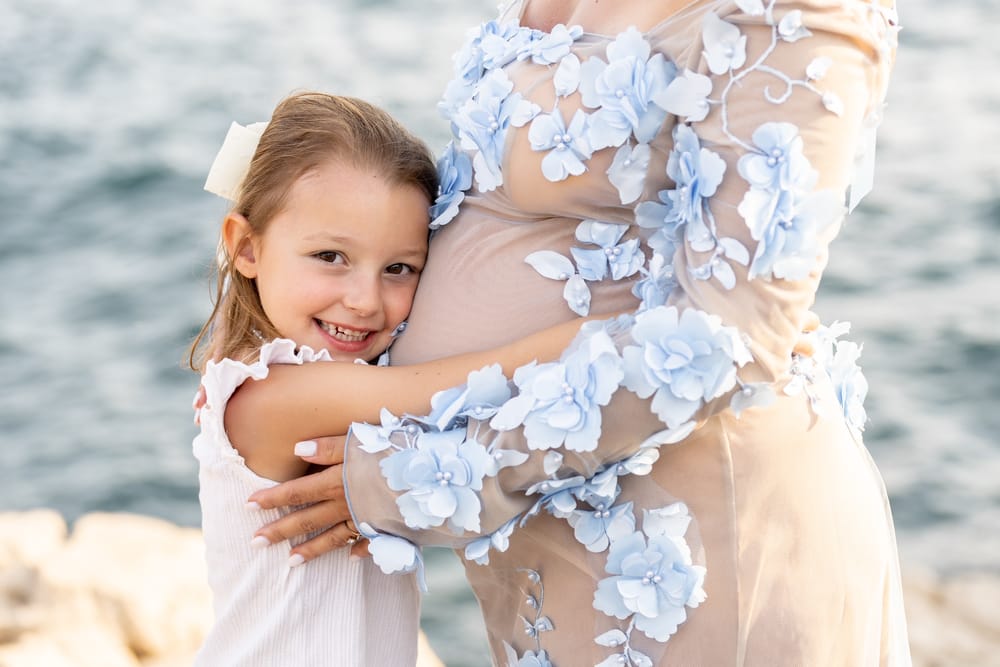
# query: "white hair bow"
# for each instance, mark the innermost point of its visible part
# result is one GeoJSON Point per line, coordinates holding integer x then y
{"type": "Point", "coordinates": [231, 164]}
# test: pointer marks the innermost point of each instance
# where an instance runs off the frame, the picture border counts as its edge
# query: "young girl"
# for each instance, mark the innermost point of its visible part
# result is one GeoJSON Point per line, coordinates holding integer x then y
{"type": "Point", "coordinates": [319, 260]}
{"type": "Point", "coordinates": [320, 256]}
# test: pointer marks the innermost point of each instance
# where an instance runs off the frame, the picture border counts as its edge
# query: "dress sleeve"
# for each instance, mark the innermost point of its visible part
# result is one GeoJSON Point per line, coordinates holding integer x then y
{"type": "Point", "coordinates": [770, 121]}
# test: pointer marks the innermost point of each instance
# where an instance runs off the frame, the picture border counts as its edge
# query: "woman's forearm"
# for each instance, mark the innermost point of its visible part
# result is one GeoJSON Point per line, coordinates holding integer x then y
{"type": "Point", "coordinates": [299, 402]}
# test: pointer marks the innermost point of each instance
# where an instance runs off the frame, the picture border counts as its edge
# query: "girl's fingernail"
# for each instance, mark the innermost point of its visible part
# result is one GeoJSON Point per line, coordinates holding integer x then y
{"type": "Point", "coordinates": [295, 560]}
{"type": "Point", "coordinates": [305, 448]}
{"type": "Point", "coordinates": [259, 542]}
{"type": "Point", "coordinates": [252, 505]}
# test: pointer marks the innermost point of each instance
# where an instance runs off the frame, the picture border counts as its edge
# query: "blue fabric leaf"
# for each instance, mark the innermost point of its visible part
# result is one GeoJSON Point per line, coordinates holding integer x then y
{"type": "Point", "coordinates": [552, 462]}
{"type": "Point", "coordinates": [725, 46]}
{"type": "Point", "coordinates": [577, 295]}
{"type": "Point", "coordinates": [567, 76]}
{"type": "Point", "coordinates": [370, 438]}
{"type": "Point", "coordinates": [551, 264]}
{"type": "Point", "coordinates": [592, 264]}
{"type": "Point", "coordinates": [611, 638]}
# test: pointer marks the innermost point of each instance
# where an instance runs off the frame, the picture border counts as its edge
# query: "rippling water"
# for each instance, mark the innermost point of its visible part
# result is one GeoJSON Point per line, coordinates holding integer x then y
{"type": "Point", "coordinates": [111, 112]}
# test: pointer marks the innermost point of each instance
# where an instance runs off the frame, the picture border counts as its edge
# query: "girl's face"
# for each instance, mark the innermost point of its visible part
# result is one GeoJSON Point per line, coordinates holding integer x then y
{"type": "Point", "coordinates": [338, 267]}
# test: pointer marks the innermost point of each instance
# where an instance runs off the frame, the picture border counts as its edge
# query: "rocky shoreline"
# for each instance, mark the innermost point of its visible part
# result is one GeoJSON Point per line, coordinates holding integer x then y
{"type": "Point", "coordinates": [125, 590]}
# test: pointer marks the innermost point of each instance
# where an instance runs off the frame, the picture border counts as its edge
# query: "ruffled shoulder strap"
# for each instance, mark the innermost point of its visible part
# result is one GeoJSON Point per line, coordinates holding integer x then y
{"type": "Point", "coordinates": [221, 379]}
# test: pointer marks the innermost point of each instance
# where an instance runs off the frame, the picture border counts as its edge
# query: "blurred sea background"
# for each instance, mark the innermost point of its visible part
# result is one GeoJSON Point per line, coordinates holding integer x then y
{"type": "Point", "coordinates": [111, 113]}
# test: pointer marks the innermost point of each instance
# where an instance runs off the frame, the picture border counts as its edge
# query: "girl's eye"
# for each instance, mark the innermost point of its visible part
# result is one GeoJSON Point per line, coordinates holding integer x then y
{"type": "Point", "coordinates": [399, 269]}
{"type": "Point", "coordinates": [330, 256]}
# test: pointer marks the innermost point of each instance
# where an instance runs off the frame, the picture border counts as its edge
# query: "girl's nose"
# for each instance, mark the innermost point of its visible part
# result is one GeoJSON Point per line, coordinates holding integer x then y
{"type": "Point", "coordinates": [364, 297]}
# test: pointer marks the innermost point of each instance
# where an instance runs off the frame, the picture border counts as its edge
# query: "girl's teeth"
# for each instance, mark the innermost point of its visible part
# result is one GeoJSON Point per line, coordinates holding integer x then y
{"type": "Point", "coordinates": [348, 335]}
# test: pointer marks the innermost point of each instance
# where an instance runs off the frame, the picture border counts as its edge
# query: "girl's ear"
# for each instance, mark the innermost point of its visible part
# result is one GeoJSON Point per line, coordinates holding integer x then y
{"type": "Point", "coordinates": [238, 239]}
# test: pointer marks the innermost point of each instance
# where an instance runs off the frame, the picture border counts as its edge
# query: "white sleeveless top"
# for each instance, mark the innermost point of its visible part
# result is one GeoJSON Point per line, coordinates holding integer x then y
{"type": "Point", "coordinates": [329, 611]}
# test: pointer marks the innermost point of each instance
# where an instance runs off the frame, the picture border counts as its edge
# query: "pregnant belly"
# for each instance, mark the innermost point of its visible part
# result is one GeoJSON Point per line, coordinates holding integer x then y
{"type": "Point", "coordinates": [477, 292]}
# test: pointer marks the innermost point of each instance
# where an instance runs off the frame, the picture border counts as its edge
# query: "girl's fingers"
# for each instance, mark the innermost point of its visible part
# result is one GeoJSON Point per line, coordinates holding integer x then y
{"type": "Point", "coordinates": [322, 451]}
{"type": "Point", "coordinates": [327, 484]}
{"type": "Point", "coordinates": [812, 321]}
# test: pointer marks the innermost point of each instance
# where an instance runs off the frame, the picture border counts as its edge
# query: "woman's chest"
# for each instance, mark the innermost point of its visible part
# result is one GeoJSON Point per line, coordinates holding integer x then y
{"type": "Point", "coordinates": [598, 17]}
{"type": "Point", "coordinates": [563, 123]}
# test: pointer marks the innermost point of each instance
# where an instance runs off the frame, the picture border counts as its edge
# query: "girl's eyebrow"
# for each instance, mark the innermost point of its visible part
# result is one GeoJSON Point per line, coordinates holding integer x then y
{"type": "Point", "coordinates": [327, 236]}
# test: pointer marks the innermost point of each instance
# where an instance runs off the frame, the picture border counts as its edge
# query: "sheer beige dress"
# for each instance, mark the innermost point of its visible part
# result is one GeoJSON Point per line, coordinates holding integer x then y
{"type": "Point", "coordinates": [779, 502]}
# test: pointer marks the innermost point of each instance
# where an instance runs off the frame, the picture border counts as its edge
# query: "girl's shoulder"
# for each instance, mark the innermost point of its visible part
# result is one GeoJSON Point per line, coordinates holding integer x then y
{"type": "Point", "coordinates": [222, 377]}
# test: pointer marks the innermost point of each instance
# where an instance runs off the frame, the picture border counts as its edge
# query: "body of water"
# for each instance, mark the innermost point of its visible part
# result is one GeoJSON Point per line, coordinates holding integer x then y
{"type": "Point", "coordinates": [111, 113]}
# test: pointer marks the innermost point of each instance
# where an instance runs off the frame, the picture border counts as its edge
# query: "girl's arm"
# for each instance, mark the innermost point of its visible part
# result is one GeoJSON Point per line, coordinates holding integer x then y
{"type": "Point", "coordinates": [295, 403]}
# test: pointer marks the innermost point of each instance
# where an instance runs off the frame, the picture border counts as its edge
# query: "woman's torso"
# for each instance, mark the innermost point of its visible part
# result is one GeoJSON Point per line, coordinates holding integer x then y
{"type": "Point", "coordinates": [789, 515]}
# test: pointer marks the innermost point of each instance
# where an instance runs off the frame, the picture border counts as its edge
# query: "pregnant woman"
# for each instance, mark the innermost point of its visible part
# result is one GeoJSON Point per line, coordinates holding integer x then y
{"type": "Point", "coordinates": [679, 488]}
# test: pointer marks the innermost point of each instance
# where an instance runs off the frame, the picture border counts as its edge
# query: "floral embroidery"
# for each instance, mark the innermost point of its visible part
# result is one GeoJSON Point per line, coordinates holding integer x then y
{"type": "Point", "coordinates": [628, 171]}
{"type": "Point", "coordinates": [478, 550]}
{"type": "Point", "coordinates": [687, 95]}
{"type": "Point", "coordinates": [455, 176]}
{"type": "Point", "coordinates": [394, 554]}
{"type": "Point", "coordinates": [838, 361]}
{"type": "Point", "coordinates": [725, 45]}
{"type": "Point", "coordinates": [850, 384]}
{"type": "Point", "coordinates": [568, 146]}
{"type": "Point", "coordinates": [532, 627]}
{"type": "Point", "coordinates": [441, 477]}
{"type": "Point", "coordinates": [697, 173]}
{"type": "Point", "coordinates": [624, 91]}
{"type": "Point", "coordinates": [597, 528]}
{"type": "Point", "coordinates": [550, 48]}
{"type": "Point", "coordinates": [653, 579]}
{"type": "Point", "coordinates": [657, 283]}
{"type": "Point", "coordinates": [681, 360]}
{"type": "Point", "coordinates": [482, 123]}
{"type": "Point", "coordinates": [620, 260]}
{"type": "Point", "coordinates": [480, 397]}
{"type": "Point", "coordinates": [560, 403]}
{"type": "Point", "coordinates": [783, 212]}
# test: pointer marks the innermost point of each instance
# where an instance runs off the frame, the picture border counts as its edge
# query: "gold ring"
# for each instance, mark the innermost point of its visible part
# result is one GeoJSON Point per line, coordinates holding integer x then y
{"type": "Point", "coordinates": [353, 539]}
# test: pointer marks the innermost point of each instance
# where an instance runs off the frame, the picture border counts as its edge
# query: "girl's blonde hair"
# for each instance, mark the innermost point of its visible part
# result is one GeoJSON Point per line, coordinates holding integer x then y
{"type": "Point", "coordinates": [306, 131]}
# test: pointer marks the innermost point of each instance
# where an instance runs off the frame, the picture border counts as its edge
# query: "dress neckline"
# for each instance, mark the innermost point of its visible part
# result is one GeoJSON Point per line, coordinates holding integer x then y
{"type": "Point", "coordinates": [517, 7]}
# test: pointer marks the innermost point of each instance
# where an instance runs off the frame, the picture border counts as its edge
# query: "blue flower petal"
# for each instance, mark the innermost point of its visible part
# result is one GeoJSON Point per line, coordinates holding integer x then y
{"type": "Point", "coordinates": [551, 264]}
{"type": "Point", "coordinates": [628, 171]}
{"type": "Point", "coordinates": [725, 46]}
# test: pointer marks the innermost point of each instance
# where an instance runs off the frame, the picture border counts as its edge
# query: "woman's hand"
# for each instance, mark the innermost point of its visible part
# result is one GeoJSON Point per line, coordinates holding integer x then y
{"type": "Point", "coordinates": [326, 506]}
{"type": "Point", "coordinates": [804, 345]}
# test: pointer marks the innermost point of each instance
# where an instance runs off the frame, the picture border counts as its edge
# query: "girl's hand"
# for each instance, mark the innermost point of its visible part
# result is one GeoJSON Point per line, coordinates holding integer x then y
{"type": "Point", "coordinates": [326, 510]}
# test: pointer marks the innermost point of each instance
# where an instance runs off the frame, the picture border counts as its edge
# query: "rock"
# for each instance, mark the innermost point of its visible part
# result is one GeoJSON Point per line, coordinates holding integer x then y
{"type": "Point", "coordinates": [68, 648]}
{"type": "Point", "coordinates": [148, 573]}
{"type": "Point", "coordinates": [129, 591]}
{"type": "Point", "coordinates": [976, 598]}
{"type": "Point", "coordinates": [122, 591]}
{"type": "Point", "coordinates": [952, 621]}
{"type": "Point", "coordinates": [28, 537]}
